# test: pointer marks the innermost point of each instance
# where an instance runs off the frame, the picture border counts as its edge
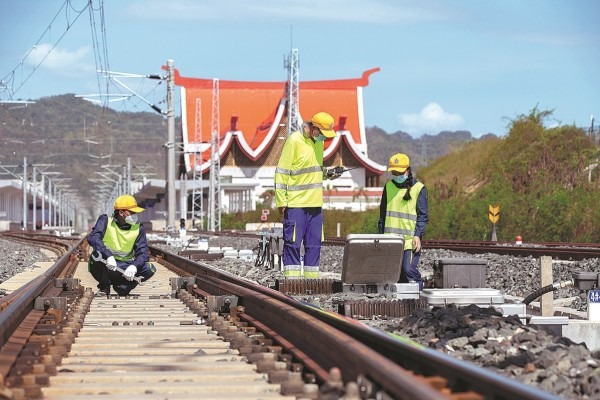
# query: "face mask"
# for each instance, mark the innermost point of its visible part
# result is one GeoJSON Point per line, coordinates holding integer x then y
{"type": "Point", "coordinates": [131, 219]}
{"type": "Point", "coordinates": [400, 179]}
{"type": "Point", "coordinates": [320, 138]}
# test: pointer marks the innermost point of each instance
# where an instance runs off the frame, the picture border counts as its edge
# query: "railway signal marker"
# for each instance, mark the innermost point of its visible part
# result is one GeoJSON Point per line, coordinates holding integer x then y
{"type": "Point", "coordinates": [494, 213]}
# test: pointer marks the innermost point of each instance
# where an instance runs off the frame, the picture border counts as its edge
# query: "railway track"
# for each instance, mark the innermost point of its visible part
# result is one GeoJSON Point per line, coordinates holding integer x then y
{"type": "Point", "coordinates": [197, 332]}
{"type": "Point", "coordinates": [562, 251]}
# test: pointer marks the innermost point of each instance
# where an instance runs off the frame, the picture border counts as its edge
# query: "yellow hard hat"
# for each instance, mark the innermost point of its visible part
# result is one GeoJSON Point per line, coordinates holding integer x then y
{"type": "Point", "coordinates": [398, 162]}
{"type": "Point", "coordinates": [127, 202]}
{"type": "Point", "coordinates": [324, 122]}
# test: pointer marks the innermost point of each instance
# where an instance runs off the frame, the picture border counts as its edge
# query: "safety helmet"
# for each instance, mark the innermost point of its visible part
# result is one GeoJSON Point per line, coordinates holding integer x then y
{"type": "Point", "coordinates": [398, 162]}
{"type": "Point", "coordinates": [127, 202]}
{"type": "Point", "coordinates": [324, 122]}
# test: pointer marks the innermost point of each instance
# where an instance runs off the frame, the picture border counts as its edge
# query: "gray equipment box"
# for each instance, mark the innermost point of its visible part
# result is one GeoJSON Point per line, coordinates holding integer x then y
{"type": "Point", "coordinates": [463, 297]}
{"type": "Point", "coordinates": [372, 258]}
{"type": "Point", "coordinates": [586, 280]}
{"type": "Point", "coordinates": [459, 273]}
{"type": "Point", "coordinates": [395, 290]}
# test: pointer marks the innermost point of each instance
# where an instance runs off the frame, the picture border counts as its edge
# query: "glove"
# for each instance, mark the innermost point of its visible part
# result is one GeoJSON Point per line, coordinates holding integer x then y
{"type": "Point", "coordinates": [130, 272]}
{"type": "Point", "coordinates": [111, 263]}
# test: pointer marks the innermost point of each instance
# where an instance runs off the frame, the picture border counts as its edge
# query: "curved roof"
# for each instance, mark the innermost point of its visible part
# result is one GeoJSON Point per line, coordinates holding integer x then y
{"type": "Point", "coordinates": [251, 113]}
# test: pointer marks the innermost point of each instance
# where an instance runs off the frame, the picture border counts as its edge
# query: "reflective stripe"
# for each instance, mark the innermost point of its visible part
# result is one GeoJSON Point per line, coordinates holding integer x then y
{"type": "Point", "coordinates": [398, 231]}
{"type": "Point", "coordinates": [121, 255]}
{"type": "Point", "coordinates": [301, 171]}
{"type": "Point", "coordinates": [305, 187]}
{"type": "Point", "coordinates": [298, 187]}
{"type": "Point", "coordinates": [292, 271]}
{"type": "Point", "coordinates": [311, 272]}
{"type": "Point", "coordinates": [395, 214]}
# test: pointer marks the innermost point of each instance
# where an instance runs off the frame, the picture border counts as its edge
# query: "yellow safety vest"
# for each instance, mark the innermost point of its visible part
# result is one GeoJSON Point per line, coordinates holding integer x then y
{"type": "Point", "coordinates": [299, 173]}
{"type": "Point", "coordinates": [119, 241]}
{"type": "Point", "coordinates": [401, 215]}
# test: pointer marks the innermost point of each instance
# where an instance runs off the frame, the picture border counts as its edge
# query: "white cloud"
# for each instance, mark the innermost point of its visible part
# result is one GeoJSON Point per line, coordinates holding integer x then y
{"type": "Point", "coordinates": [60, 61]}
{"type": "Point", "coordinates": [431, 119]}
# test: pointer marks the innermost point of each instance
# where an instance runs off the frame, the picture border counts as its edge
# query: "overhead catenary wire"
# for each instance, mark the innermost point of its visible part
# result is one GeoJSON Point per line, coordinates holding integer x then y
{"type": "Point", "coordinates": [9, 79]}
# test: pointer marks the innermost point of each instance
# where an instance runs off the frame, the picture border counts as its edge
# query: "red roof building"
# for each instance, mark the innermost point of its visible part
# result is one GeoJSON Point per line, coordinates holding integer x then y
{"type": "Point", "coordinates": [252, 127]}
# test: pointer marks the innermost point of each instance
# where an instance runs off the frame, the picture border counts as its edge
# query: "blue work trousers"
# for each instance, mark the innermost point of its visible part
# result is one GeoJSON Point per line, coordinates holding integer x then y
{"type": "Point", "coordinates": [302, 226]}
{"type": "Point", "coordinates": [410, 270]}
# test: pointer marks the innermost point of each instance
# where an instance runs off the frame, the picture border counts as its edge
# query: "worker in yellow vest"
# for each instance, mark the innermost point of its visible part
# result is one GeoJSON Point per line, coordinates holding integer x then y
{"type": "Point", "coordinates": [120, 244]}
{"type": "Point", "coordinates": [404, 211]}
{"type": "Point", "coordinates": [299, 195]}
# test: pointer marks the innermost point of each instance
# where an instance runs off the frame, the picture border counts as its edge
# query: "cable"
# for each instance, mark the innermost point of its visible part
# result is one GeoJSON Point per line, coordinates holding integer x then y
{"type": "Point", "coordinates": [547, 289]}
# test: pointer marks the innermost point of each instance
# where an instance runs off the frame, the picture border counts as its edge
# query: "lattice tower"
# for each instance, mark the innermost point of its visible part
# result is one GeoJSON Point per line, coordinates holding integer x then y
{"type": "Point", "coordinates": [215, 163]}
{"type": "Point", "coordinates": [293, 94]}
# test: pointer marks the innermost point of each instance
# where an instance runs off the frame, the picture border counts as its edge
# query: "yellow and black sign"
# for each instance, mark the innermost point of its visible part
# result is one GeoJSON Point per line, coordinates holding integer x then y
{"type": "Point", "coordinates": [494, 213]}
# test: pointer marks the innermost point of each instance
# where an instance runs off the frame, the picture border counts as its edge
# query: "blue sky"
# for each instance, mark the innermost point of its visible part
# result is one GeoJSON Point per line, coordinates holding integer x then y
{"type": "Point", "coordinates": [445, 64]}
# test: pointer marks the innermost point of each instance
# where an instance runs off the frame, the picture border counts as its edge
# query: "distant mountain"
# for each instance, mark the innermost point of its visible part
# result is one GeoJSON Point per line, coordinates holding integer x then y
{"type": "Point", "coordinates": [421, 151]}
{"type": "Point", "coordinates": [88, 145]}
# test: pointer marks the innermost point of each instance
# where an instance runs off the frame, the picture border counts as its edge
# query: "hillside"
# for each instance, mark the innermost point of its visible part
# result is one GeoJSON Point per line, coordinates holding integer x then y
{"type": "Point", "coordinates": [88, 143]}
{"type": "Point", "coordinates": [421, 151]}
{"type": "Point", "coordinates": [540, 177]}
{"type": "Point", "coordinates": [84, 142]}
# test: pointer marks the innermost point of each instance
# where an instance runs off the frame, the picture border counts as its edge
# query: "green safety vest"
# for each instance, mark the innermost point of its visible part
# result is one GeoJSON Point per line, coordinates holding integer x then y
{"type": "Point", "coordinates": [299, 173]}
{"type": "Point", "coordinates": [401, 215]}
{"type": "Point", "coordinates": [119, 241]}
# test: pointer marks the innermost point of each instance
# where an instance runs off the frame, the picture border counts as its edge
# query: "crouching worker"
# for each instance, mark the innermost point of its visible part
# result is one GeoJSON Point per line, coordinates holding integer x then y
{"type": "Point", "coordinates": [119, 242]}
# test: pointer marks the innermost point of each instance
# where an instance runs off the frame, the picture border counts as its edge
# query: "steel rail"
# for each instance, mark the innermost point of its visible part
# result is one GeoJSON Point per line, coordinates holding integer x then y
{"type": "Point", "coordinates": [461, 376]}
{"type": "Point", "coordinates": [24, 298]}
{"type": "Point", "coordinates": [562, 251]}
{"type": "Point", "coordinates": [557, 250]}
{"type": "Point", "coordinates": [322, 343]}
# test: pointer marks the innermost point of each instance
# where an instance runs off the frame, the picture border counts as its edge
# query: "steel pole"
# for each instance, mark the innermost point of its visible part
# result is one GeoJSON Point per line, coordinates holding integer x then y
{"type": "Point", "coordinates": [170, 148]}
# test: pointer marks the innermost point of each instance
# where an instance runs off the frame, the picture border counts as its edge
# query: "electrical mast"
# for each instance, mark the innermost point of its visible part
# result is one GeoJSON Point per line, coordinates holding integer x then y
{"type": "Point", "coordinates": [197, 190]}
{"type": "Point", "coordinates": [293, 95]}
{"type": "Point", "coordinates": [170, 147]}
{"type": "Point", "coordinates": [214, 200]}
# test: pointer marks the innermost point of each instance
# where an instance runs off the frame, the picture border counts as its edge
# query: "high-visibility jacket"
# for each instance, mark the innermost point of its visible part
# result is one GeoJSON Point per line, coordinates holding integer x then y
{"type": "Point", "coordinates": [401, 215]}
{"type": "Point", "coordinates": [119, 241]}
{"type": "Point", "coordinates": [299, 173]}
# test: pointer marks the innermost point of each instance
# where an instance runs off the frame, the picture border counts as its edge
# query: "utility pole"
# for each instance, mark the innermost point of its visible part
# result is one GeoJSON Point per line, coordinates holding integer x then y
{"type": "Point", "coordinates": [128, 189]}
{"type": "Point", "coordinates": [25, 193]}
{"type": "Point", "coordinates": [170, 147]}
